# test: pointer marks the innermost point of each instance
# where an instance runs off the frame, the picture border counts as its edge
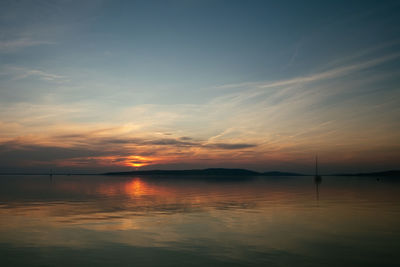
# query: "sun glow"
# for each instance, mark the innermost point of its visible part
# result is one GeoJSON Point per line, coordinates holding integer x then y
{"type": "Point", "coordinates": [137, 161]}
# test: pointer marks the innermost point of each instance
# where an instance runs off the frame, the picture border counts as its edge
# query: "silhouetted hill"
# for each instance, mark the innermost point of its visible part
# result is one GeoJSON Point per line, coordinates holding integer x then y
{"type": "Point", "coordinates": [275, 173]}
{"type": "Point", "coordinates": [212, 171]}
{"type": "Point", "coordinates": [384, 173]}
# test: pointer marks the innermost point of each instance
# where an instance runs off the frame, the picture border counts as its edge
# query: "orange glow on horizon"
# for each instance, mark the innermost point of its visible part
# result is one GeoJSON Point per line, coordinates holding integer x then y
{"type": "Point", "coordinates": [104, 161]}
{"type": "Point", "coordinates": [137, 161]}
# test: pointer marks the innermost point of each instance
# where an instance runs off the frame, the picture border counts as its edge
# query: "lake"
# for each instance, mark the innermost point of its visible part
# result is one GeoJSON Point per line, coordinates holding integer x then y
{"type": "Point", "coordinates": [83, 220]}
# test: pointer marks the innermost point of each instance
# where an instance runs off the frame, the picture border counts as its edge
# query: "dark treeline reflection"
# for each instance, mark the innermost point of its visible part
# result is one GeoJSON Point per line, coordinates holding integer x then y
{"type": "Point", "coordinates": [105, 220]}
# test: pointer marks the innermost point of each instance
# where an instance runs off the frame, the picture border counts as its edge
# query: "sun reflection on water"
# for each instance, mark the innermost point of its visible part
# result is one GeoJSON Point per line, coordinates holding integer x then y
{"type": "Point", "coordinates": [137, 187]}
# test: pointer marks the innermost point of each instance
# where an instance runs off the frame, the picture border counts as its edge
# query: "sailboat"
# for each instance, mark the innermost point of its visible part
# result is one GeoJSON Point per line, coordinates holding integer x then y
{"type": "Point", "coordinates": [317, 177]}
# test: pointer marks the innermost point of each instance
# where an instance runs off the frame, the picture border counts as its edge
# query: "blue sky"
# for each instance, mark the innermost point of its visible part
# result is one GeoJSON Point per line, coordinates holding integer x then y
{"type": "Point", "coordinates": [186, 84]}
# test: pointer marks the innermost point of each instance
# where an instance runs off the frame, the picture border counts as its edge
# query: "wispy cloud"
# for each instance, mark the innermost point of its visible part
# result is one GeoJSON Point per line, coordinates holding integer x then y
{"type": "Point", "coordinates": [42, 75]}
{"type": "Point", "coordinates": [230, 146]}
{"type": "Point", "coordinates": [11, 45]}
{"type": "Point", "coordinates": [18, 73]}
{"type": "Point", "coordinates": [329, 74]}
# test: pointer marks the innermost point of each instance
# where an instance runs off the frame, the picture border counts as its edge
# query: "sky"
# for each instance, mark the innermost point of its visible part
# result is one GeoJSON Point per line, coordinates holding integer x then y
{"type": "Point", "coordinates": [92, 86]}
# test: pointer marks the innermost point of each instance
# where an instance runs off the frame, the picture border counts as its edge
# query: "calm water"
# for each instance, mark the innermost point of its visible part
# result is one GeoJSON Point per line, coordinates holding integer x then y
{"type": "Point", "coordinates": [149, 221]}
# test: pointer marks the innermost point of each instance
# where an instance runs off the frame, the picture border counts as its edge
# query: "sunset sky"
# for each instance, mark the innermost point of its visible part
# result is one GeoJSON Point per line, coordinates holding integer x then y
{"type": "Point", "coordinates": [92, 86]}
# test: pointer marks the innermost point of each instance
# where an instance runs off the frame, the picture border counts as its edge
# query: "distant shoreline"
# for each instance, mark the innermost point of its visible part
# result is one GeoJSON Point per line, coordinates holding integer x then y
{"type": "Point", "coordinates": [213, 172]}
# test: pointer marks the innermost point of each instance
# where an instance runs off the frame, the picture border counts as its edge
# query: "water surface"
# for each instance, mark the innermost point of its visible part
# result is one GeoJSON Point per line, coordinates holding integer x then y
{"type": "Point", "coordinates": [194, 221]}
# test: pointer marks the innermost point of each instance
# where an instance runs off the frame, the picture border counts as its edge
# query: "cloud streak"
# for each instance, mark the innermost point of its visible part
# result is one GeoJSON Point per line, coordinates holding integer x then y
{"type": "Point", "coordinates": [19, 73]}
{"type": "Point", "coordinates": [11, 45]}
{"type": "Point", "coordinates": [329, 74]}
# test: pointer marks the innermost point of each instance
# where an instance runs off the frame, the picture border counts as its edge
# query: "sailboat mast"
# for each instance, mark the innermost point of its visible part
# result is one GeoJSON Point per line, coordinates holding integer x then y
{"type": "Point", "coordinates": [316, 165]}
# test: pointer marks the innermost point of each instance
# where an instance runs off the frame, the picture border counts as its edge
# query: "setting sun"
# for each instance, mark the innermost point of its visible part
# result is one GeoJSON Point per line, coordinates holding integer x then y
{"type": "Point", "coordinates": [137, 161]}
